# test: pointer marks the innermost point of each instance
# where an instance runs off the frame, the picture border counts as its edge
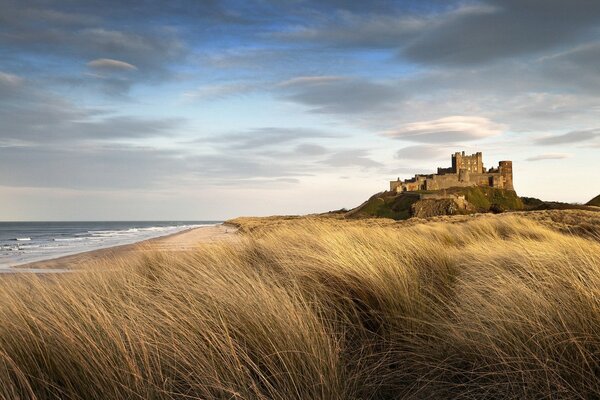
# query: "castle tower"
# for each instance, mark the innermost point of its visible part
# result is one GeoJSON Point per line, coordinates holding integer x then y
{"type": "Point", "coordinates": [506, 172]}
{"type": "Point", "coordinates": [457, 161]}
{"type": "Point", "coordinates": [473, 163]}
{"type": "Point", "coordinates": [479, 163]}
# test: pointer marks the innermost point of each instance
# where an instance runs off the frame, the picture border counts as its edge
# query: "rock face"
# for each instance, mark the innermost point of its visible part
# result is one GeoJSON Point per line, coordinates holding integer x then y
{"type": "Point", "coordinates": [433, 207]}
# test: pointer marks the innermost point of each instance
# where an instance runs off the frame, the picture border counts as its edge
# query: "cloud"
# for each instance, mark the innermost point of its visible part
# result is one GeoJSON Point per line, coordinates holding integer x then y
{"type": "Point", "coordinates": [577, 67]}
{"type": "Point", "coordinates": [355, 6]}
{"type": "Point", "coordinates": [149, 51]}
{"type": "Point", "coordinates": [421, 152]}
{"type": "Point", "coordinates": [51, 142]}
{"type": "Point", "coordinates": [110, 64]}
{"type": "Point", "coordinates": [266, 137]}
{"type": "Point", "coordinates": [352, 30]}
{"type": "Point", "coordinates": [447, 129]}
{"type": "Point", "coordinates": [35, 116]}
{"type": "Point", "coordinates": [113, 77]}
{"type": "Point", "coordinates": [118, 127]}
{"type": "Point", "coordinates": [10, 80]}
{"type": "Point", "coordinates": [220, 91]}
{"type": "Point", "coordinates": [336, 95]}
{"type": "Point", "coordinates": [308, 149]}
{"type": "Point", "coordinates": [130, 167]}
{"type": "Point", "coordinates": [85, 167]}
{"type": "Point", "coordinates": [548, 156]}
{"type": "Point", "coordinates": [571, 137]}
{"type": "Point", "coordinates": [224, 167]}
{"type": "Point", "coordinates": [249, 58]}
{"type": "Point", "coordinates": [459, 33]}
{"type": "Point", "coordinates": [499, 29]}
{"type": "Point", "coordinates": [310, 80]}
{"type": "Point", "coordinates": [351, 158]}
{"type": "Point", "coordinates": [146, 51]}
{"type": "Point", "coordinates": [44, 34]}
{"type": "Point", "coordinates": [322, 67]}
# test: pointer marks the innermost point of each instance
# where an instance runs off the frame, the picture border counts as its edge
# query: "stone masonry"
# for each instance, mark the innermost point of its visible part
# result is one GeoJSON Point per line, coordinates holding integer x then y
{"type": "Point", "coordinates": [465, 171]}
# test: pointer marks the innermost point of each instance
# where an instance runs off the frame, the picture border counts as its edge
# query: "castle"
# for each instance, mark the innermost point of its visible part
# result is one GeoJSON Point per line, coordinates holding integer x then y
{"type": "Point", "coordinates": [465, 171]}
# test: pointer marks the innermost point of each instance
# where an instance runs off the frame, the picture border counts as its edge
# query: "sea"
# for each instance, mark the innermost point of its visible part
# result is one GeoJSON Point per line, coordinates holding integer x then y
{"type": "Point", "coordinates": [25, 242]}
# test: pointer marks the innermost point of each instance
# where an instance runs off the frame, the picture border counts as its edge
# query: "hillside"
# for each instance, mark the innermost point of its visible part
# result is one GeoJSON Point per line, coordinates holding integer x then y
{"type": "Point", "coordinates": [594, 202]}
{"type": "Point", "coordinates": [453, 201]}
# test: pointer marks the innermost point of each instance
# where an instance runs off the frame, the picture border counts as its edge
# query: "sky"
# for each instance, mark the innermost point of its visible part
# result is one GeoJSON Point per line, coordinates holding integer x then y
{"type": "Point", "coordinates": [207, 110]}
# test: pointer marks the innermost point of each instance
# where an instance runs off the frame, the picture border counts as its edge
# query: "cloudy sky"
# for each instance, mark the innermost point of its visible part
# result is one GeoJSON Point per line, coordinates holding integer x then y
{"type": "Point", "coordinates": [212, 109]}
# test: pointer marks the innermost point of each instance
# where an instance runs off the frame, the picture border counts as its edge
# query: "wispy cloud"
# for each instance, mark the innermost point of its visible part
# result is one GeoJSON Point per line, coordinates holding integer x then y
{"type": "Point", "coordinates": [267, 137]}
{"type": "Point", "coordinates": [464, 33]}
{"type": "Point", "coordinates": [448, 129]}
{"type": "Point", "coordinates": [220, 91]}
{"type": "Point", "coordinates": [548, 156]}
{"type": "Point", "coordinates": [10, 79]}
{"type": "Point", "coordinates": [310, 80]}
{"type": "Point", "coordinates": [341, 95]}
{"type": "Point", "coordinates": [571, 137]}
{"type": "Point", "coordinates": [422, 152]}
{"type": "Point", "coordinates": [352, 158]}
{"type": "Point", "coordinates": [110, 64]}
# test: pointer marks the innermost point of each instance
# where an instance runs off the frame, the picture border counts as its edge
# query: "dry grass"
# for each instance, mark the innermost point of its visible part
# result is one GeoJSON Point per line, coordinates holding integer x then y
{"type": "Point", "coordinates": [493, 307]}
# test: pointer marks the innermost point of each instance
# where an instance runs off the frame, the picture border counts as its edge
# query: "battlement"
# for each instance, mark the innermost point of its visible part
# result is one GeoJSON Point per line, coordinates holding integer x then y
{"type": "Point", "coordinates": [466, 170]}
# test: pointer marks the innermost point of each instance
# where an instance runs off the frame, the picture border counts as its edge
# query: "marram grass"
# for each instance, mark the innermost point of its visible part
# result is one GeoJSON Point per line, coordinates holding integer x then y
{"type": "Point", "coordinates": [495, 307]}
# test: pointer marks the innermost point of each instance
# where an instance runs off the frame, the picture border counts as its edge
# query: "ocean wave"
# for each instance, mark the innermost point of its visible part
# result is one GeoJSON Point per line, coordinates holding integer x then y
{"type": "Point", "coordinates": [123, 232]}
{"type": "Point", "coordinates": [22, 239]}
{"type": "Point", "coordinates": [70, 239]}
{"type": "Point", "coordinates": [158, 228]}
{"type": "Point", "coordinates": [28, 246]}
{"type": "Point", "coordinates": [132, 231]}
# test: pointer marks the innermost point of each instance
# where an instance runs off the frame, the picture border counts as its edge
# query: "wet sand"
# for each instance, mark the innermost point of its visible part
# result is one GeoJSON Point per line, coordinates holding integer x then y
{"type": "Point", "coordinates": [182, 241]}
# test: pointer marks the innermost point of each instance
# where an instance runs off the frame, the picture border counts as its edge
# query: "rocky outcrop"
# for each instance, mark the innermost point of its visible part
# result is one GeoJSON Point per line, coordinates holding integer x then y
{"type": "Point", "coordinates": [442, 206]}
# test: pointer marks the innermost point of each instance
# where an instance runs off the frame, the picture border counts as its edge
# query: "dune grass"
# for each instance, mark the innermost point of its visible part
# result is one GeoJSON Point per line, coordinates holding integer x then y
{"type": "Point", "coordinates": [496, 307]}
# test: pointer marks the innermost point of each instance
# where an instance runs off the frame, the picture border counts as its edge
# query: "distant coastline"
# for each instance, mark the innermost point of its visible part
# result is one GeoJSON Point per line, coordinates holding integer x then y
{"type": "Point", "coordinates": [185, 240]}
{"type": "Point", "coordinates": [24, 243]}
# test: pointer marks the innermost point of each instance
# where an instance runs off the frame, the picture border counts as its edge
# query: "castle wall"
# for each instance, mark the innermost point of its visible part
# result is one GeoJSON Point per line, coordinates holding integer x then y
{"type": "Point", "coordinates": [438, 182]}
{"type": "Point", "coordinates": [465, 171]}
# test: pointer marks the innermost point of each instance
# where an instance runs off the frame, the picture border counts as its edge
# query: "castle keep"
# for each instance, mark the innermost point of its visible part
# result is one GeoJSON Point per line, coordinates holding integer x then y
{"type": "Point", "coordinates": [465, 171]}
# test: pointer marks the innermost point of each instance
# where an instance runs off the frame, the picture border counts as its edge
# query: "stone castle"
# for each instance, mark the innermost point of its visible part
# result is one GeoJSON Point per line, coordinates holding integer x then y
{"type": "Point", "coordinates": [465, 171]}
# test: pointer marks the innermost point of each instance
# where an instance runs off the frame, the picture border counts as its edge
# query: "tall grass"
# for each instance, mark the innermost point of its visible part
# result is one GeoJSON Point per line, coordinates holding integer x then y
{"type": "Point", "coordinates": [500, 307]}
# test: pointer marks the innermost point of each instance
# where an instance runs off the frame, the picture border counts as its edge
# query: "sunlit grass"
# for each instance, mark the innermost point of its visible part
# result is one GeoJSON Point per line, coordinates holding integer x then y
{"type": "Point", "coordinates": [501, 306]}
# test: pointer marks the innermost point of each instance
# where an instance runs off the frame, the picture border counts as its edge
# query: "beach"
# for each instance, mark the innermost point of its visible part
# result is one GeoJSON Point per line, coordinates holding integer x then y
{"type": "Point", "coordinates": [187, 240]}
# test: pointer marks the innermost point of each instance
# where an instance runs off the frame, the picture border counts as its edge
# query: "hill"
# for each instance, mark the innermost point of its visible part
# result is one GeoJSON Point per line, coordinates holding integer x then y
{"type": "Point", "coordinates": [594, 202]}
{"type": "Point", "coordinates": [453, 201]}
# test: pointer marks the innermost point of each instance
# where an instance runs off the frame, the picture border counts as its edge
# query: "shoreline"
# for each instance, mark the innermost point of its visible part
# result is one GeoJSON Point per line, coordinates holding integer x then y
{"type": "Point", "coordinates": [185, 240]}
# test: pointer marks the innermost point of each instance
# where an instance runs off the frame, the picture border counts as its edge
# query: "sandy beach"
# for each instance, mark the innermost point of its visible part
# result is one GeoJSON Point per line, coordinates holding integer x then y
{"type": "Point", "coordinates": [182, 241]}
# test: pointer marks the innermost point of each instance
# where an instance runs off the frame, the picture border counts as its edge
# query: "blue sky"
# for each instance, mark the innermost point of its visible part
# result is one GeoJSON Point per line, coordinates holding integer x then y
{"type": "Point", "coordinates": [213, 109]}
